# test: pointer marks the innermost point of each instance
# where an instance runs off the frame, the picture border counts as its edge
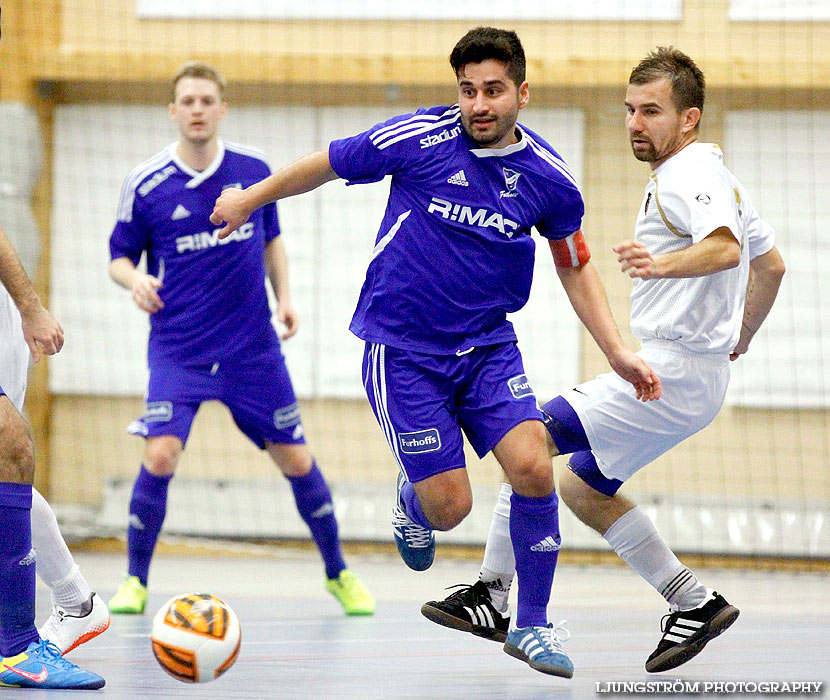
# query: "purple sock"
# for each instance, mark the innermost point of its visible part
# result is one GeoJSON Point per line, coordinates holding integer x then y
{"type": "Point", "coordinates": [534, 529]}
{"type": "Point", "coordinates": [148, 506]}
{"type": "Point", "coordinates": [313, 498]}
{"type": "Point", "coordinates": [412, 506]}
{"type": "Point", "coordinates": [17, 570]}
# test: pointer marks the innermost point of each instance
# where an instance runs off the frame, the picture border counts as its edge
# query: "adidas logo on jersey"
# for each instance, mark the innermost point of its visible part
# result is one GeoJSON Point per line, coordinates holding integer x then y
{"type": "Point", "coordinates": [459, 179]}
{"type": "Point", "coordinates": [179, 213]}
{"type": "Point", "coordinates": [546, 545]}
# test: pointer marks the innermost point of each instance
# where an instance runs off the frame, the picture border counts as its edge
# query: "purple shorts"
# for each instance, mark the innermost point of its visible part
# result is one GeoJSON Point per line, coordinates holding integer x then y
{"type": "Point", "coordinates": [424, 402]}
{"type": "Point", "coordinates": [258, 393]}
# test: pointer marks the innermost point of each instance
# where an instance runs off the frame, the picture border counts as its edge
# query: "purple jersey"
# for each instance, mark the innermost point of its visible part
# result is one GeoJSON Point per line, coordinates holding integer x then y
{"type": "Point", "coordinates": [454, 253]}
{"type": "Point", "coordinates": [213, 290]}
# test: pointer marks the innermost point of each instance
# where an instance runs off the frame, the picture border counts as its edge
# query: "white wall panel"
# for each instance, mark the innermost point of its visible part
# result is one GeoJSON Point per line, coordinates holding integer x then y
{"type": "Point", "coordinates": [329, 235]}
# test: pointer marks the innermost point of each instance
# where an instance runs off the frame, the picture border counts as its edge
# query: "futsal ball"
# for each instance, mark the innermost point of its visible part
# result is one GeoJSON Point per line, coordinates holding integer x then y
{"type": "Point", "coordinates": [196, 637]}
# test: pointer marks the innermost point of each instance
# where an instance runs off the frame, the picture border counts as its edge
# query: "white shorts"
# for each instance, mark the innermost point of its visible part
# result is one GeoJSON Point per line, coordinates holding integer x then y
{"type": "Point", "coordinates": [626, 434]}
{"type": "Point", "coordinates": [14, 353]}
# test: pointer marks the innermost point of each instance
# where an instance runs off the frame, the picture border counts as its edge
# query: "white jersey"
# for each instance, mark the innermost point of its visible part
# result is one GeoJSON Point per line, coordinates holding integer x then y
{"type": "Point", "coordinates": [688, 197]}
{"type": "Point", "coordinates": [14, 353]}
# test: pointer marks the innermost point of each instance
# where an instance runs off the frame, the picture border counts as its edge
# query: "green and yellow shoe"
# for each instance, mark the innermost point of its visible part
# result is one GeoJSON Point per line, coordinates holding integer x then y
{"type": "Point", "coordinates": [352, 594]}
{"type": "Point", "coordinates": [130, 599]}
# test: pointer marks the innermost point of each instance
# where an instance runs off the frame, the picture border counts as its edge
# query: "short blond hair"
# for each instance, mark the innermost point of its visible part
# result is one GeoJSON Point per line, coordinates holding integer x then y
{"type": "Point", "coordinates": [199, 69]}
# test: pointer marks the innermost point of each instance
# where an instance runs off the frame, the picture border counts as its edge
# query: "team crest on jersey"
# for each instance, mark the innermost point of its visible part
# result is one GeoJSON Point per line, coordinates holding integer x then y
{"type": "Point", "coordinates": [511, 180]}
{"type": "Point", "coordinates": [520, 386]}
{"type": "Point", "coordinates": [703, 198]}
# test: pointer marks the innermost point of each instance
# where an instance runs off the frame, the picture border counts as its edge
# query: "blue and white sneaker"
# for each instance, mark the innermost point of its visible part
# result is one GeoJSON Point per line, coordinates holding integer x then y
{"type": "Point", "coordinates": [42, 666]}
{"type": "Point", "coordinates": [416, 544]}
{"type": "Point", "coordinates": [541, 648]}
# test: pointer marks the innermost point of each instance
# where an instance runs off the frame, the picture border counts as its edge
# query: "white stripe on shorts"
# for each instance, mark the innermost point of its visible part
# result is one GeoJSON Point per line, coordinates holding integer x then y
{"type": "Point", "coordinates": [377, 367]}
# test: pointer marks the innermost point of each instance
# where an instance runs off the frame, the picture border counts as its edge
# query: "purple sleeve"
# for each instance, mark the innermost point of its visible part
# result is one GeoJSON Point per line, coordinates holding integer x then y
{"type": "Point", "coordinates": [370, 156]}
{"type": "Point", "coordinates": [564, 214]}
{"type": "Point", "coordinates": [270, 222]}
{"type": "Point", "coordinates": [129, 238]}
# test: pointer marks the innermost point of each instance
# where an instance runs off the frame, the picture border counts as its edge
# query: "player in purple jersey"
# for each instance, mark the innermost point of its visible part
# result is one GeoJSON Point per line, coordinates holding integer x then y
{"type": "Point", "coordinates": [211, 336]}
{"type": "Point", "coordinates": [25, 659]}
{"type": "Point", "coordinates": [452, 257]}
{"type": "Point", "coordinates": [706, 273]}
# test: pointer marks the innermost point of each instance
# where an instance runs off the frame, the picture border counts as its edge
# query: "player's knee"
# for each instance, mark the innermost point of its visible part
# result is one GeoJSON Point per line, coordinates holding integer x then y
{"type": "Point", "coordinates": [450, 514]}
{"type": "Point", "coordinates": [450, 510]}
{"type": "Point", "coordinates": [532, 477]}
{"type": "Point", "coordinates": [160, 459]}
{"type": "Point", "coordinates": [292, 460]}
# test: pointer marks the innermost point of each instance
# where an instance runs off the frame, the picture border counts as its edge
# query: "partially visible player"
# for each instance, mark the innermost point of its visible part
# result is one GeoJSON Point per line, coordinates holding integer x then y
{"type": "Point", "coordinates": [211, 336]}
{"type": "Point", "coordinates": [78, 613]}
{"type": "Point", "coordinates": [27, 660]}
{"type": "Point", "coordinates": [706, 274]}
{"type": "Point", "coordinates": [452, 257]}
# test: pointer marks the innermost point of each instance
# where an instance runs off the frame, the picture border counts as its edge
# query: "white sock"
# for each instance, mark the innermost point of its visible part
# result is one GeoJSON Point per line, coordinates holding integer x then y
{"type": "Point", "coordinates": [55, 564]}
{"type": "Point", "coordinates": [635, 539]}
{"type": "Point", "coordinates": [499, 565]}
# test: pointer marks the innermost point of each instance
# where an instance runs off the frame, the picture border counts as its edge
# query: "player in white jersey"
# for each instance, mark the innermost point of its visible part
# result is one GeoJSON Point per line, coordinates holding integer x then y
{"type": "Point", "coordinates": [28, 529]}
{"type": "Point", "coordinates": [706, 274]}
{"type": "Point", "coordinates": [78, 613]}
{"type": "Point", "coordinates": [468, 184]}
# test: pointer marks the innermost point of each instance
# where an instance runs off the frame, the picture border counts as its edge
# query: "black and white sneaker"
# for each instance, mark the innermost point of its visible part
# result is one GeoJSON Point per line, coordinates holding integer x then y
{"type": "Point", "coordinates": [469, 609]}
{"type": "Point", "coordinates": [686, 632]}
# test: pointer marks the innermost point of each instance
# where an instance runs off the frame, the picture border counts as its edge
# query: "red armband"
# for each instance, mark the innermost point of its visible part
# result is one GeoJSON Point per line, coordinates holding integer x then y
{"type": "Point", "coordinates": [571, 251]}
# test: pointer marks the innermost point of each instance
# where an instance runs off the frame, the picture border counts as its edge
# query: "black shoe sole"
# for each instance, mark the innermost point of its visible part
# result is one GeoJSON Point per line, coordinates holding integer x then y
{"type": "Point", "coordinates": [680, 654]}
{"type": "Point", "coordinates": [439, 617]}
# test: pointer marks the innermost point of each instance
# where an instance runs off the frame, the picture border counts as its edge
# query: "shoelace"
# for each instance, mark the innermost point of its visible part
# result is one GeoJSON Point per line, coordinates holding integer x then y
{"type": "Point", "coordinates": [51, 651]}
{"type": "Point", "coordinates": [552, 636]}
{"type": "Point", "coordinates": [461, 594]}
{"type": "Point", "coordinates": [667, 620]}
{"type": "Point", "coordinates": [415, 536]}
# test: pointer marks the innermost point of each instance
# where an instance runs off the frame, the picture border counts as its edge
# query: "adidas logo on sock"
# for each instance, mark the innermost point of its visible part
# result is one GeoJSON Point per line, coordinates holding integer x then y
{"type": "Point", "coordinates": [546, 545]}
{"type": "Point", "coordinates": [497, 585]}
{"type": "Point", "coordinates": [323, 510]}
{"type": "Point", "coordinates": [459, 179]}
{"type": "Point", "coordinates": [29, 559]}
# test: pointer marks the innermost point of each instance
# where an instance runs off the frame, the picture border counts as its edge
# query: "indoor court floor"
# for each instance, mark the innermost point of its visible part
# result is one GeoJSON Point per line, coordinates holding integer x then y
{"type": "Point", "coordinates": [297, 644]}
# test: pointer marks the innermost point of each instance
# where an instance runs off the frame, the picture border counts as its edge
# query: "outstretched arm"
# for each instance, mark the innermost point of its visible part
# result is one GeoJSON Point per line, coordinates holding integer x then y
{"type": "Point", "coordinates": [587, 296]}
{"type": "Point", "coordinates": [234, 206]}
{"type": "Point", "coordinates": [765, 274]}
{"type": "Point", "coordinates": [40, 329]}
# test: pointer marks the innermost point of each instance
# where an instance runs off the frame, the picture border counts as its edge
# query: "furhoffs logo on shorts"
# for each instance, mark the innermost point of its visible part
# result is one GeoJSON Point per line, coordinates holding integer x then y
{"type": "Point", "coordinates": [420, 441]}
{"type": "Point", "coordinates": [520, 386]}
{"type": "Point", "coordinates": [158, 412]}
{"type": "Point", "coordinates": [287, 417]}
